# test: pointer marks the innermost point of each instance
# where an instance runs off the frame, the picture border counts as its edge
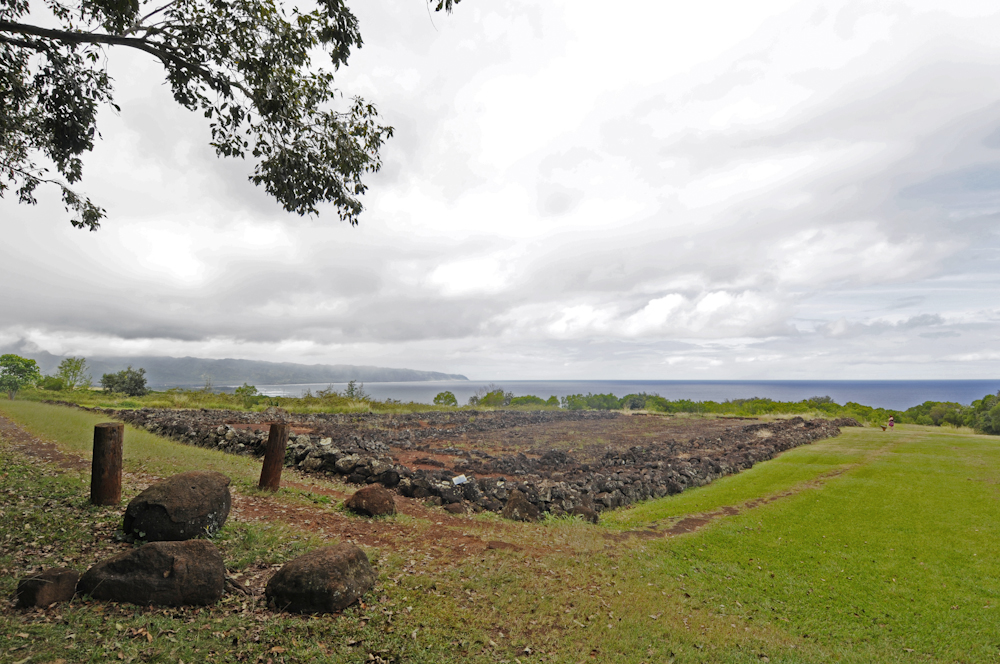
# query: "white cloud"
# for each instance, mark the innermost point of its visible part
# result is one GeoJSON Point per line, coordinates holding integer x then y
{"type": "Point", "coordinates": [720, 189]}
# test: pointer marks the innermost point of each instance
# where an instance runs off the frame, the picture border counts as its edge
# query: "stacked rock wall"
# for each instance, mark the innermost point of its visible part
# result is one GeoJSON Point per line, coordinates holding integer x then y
{"type": "Point", "coordinates": [357, 447]}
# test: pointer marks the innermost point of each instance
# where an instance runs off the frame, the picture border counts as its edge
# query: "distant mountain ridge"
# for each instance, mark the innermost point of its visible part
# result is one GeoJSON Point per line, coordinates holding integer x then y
{"type": "Point", "coordinates": [164, 371]}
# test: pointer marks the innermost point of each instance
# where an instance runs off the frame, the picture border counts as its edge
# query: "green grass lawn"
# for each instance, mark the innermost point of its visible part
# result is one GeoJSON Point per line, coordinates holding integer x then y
{"type": "Point", "coordinates": [878, 548]}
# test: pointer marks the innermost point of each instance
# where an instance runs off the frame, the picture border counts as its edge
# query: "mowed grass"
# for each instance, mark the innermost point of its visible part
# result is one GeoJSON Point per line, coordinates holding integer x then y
{"type": "Point", "coordinates": [73, 430]}
{"type": "Point", "coordinates": [880, 548]}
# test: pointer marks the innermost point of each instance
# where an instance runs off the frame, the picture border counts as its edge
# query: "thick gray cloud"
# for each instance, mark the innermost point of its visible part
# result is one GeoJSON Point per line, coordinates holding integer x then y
{"type": "Point", "coordinates": [712, 190]}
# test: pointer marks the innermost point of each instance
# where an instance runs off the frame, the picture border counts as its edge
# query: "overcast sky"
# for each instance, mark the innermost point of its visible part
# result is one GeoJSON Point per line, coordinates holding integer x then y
{"type": "Point", "coordinates": [657, 190]}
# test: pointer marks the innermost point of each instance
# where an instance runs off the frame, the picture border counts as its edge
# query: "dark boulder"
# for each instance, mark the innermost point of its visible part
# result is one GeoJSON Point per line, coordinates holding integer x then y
{"type": "Point", "coordinates": [160, 573]}
{"type": "Point", "coordinates": [46, 587]}
{"type": "Point", "coordinates": [322, 581]}
{"type": "Point", "coordinates": [373, 500]}
{"type": "Point", "coordinates": [518, 508]}
{"type": "Point", "coordinates": [182, 507]}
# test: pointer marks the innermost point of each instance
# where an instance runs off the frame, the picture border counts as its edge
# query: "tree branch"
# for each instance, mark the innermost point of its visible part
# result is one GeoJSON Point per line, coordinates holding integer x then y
{"type": "Point", "coordinates": [156, 50]}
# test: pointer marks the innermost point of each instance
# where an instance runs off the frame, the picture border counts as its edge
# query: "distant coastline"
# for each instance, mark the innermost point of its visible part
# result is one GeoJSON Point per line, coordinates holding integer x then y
{"type": "Point", "coordinates": [165, 372]}
{"type": "Point", "coordinates": [893, 394]}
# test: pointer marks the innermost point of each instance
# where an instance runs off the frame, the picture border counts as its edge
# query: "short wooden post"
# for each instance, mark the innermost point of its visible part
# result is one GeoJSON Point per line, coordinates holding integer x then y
{"type": "Point", "coordinates": [274, 457]}
{"type": "Point", "coordinates": [106, 467]}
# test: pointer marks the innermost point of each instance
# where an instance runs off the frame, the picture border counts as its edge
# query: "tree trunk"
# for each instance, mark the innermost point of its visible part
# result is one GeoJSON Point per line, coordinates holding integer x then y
{"type": "Point", "coordinates": [274, 457]}
{"type": "Point", "coordinates": [106, 467]}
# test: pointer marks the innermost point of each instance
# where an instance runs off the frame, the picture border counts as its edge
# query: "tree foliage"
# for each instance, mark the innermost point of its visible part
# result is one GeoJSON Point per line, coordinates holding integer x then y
{"type": "Point", "coordinates": [247, 65]}
{"type": "Point", "coordinates": [446, 398]}
{"type": "Point", "coordinates": [248, 394]}
{"type": "Point", "coordinates": [16, 373]}
{"type": "Point", "coordinates": [73, 373]}
{"type": "Point", "coordinates": [130, 382]}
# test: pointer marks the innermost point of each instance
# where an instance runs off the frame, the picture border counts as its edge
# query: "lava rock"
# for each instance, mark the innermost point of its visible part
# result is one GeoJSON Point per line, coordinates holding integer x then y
{"type": "Point", "coordinates": [182, 507]}
{"type": "Point", "coordinates": [322, 581]}
{"type": "Point", "coordinates": [57, 584]}
{"type": "Point", "coordinates": [518, 508]}
{"type": "Point", "coordinates": [373, 500]}
{"type": "Point", "coordinates": [455, 508]}
{"type": "Point", "coordinates": [159, 573]}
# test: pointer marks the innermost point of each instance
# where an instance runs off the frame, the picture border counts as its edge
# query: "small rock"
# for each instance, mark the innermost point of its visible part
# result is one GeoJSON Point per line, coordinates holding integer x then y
{"type": "Point", "coordinates": [585, 512]}
{"type": "Point", "coordinates": [181, 507]}
{"type": "Point", "coordinates": [455, 508]}
{"type": "Point", "coordinates": [373, 500]}
{"type": "Point", "coordinates": [47, 586]}
{"type": "Point", "coordinates": [160, 573]}
{"type": "Point", "coordinates": [322, 581]}
{"type": "Point", "coordinates": [518, 508]}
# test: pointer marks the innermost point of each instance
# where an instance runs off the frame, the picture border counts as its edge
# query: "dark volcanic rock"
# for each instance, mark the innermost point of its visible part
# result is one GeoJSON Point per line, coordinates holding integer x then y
{"type": "Point", "coordinates": [322, 581]}
{"type": "Point", "coordinates": [418, 454]}
{"type": "Point", "coordinates": [518, 508]}
{"type": "Point", "coordinates": [373, 500]}
{"type": "Point", "coordinates": [46, 587]}
{"type": "Point", "coordinates": [181, 507]}
{"type": "Point", "coordinates": [160, 573]}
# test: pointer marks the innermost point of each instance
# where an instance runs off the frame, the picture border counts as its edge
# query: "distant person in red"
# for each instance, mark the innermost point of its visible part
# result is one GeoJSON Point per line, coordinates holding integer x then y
{"type": "Point", "coordinates": [891, 423]}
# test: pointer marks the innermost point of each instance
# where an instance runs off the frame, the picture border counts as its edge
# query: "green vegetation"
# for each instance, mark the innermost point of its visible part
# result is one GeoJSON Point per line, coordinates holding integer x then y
{"type": "Point", "coordinates": [130, 382]}
{"type": "Point", "coordinates": [446, 398]}
{"type": "Point", "coordinates": [870, 547]}
{"type": "Point", "coordinates": [254, 69]}
{"type": "Point", "coordinates": [491, 396]}
{"type": "Point", "coordinates": [248, 394]}
{"type": "Point", "coordinates": [143, 451]}
{"type": "Point", "coordinates": [16, 373]}
{"type": "Point", "coordinates": [73, 372]}
{"type": "Point", "coordinates": [127, 389]}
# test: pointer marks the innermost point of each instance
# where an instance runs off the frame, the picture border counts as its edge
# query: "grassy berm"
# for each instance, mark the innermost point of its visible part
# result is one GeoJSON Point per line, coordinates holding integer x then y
{"type": "Point", "coordinates": [869, 547]}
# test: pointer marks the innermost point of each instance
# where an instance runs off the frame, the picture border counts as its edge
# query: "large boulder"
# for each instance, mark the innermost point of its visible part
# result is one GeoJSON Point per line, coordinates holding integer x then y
{"type": "Point", "coordinates": [519, 508]}
{"type": "Point", "coordinates": [322, 581]}
{"type": "Point", "coordinates": [160, 573]}
{"type": "Point", "coordinates": [373, 500]}
{"type": "Point", "coordinates": [46, 587]}
{"type": "Point", "coordinates": [182, 507]}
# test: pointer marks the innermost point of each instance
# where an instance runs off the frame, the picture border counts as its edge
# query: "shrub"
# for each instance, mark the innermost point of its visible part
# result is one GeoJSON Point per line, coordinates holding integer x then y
{"type": "Point", "coordinates": [592, 402]}
{"type": "Point", "coordinates": [445, 398]}
{"type": "Point", "coordinates": [248, 394]}
{"type": "Point", "coordinates": [355, 391]}
{"type": "Point", "coordinates": [53, 383]}
{"type": "Point", "coordinates": [528, 400]}
{"type": "Point", "coordinates": [491, 396]}
{"type": "Point", "coordinates": [130, 382]}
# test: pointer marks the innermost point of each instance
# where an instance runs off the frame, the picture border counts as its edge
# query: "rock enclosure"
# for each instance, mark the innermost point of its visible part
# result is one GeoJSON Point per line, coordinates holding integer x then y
{"type": "Point", "coordinates": [559, 460]}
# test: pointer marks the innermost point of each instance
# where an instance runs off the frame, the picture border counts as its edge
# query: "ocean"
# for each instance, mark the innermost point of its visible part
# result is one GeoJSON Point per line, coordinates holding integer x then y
{"type": "Point", "coordinates": [894, 394]}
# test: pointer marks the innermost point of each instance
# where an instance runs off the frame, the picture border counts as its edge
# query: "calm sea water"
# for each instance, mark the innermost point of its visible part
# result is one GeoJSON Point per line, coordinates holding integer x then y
{"type": "Point", "coordinates": [895, 394]}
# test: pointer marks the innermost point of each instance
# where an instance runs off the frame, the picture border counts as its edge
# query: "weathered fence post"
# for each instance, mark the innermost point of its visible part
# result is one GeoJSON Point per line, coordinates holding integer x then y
{"type": "Point", "coordinates": [106, 466]}
{"type": "Point", "coordinates": [274, 457]}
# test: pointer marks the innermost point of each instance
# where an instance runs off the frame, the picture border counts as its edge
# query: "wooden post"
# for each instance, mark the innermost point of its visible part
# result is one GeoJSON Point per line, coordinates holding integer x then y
{"type": "Point", "coordinates": [274, 457]}
{"type": "Point", "coordinates": [106, 467]}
